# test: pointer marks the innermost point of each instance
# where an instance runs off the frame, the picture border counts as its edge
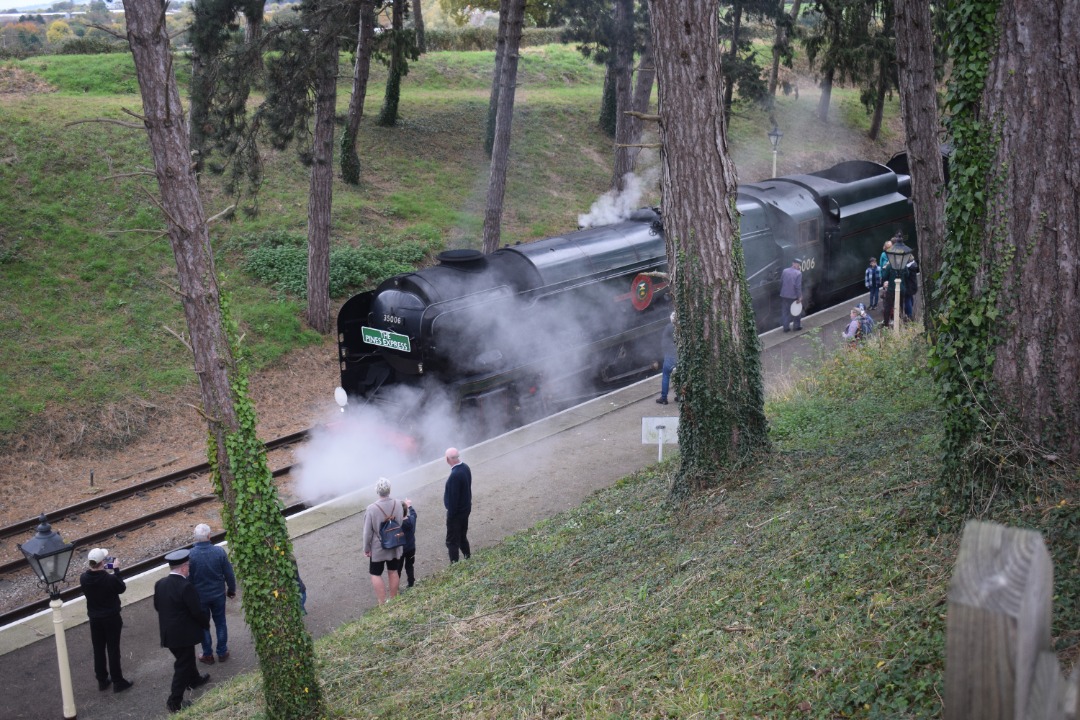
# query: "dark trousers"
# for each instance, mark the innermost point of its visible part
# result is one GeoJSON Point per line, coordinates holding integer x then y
{"type": "Point", "coordinates": [457, 530]}
{"type": "Point", "coordinates": [785, 314]}
{"type": "Point", "coordinates": [874, 297]}
{"type": "Point", "coordinates": [215, 608]}
{"type": "Point", "coordinates": [409, 558]}
{"type": "Point", "coordinates": [184, 675]}
{"type": "Point", "coordinates": [105, 636]}
{"type": "Point", "coordinates": [887, 302]}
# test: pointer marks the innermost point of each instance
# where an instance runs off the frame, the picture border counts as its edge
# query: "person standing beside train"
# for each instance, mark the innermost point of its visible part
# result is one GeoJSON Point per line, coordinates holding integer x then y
{"type": "Point", "coordinates": [213, 578]}
{"type": "Point", "coordinates": [667, 345]}
{"type": "Point", "coordinates": [457, 497]}
{"type": "Point", "coordinates": [790, 292]}
{"type": "Point", "coordinates": [102, 589]}
{"type": "Point", "coordinates": [408, 557]}
{"type": "Point", "coordinates": [378, 512]}
{"type": "Point", "coordinates": [872, 281]}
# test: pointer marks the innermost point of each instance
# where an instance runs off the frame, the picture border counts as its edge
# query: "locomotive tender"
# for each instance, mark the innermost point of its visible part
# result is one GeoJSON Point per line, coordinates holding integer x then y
{"type": "Point", "coordinates": [500, 335]}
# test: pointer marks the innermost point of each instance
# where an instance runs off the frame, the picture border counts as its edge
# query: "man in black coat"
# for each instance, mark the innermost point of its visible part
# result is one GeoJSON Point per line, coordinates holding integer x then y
{"type": "Point", "coordinates": [457, 497]}
{"type": "Point", "coordinates": [181, 621]}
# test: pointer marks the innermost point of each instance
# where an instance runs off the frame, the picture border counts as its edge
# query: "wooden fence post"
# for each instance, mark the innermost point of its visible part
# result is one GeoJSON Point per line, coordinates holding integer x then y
{"type": "Point", "coordinates": [998, 659]}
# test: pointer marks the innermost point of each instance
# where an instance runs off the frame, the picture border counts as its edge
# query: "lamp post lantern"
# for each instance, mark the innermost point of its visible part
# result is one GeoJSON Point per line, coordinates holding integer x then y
{"type": "Point", "coordinates": [899, 256]}
{"type": "Point", "coordinates": [49, 557]}
{"type": "Point", "coordinates": [774, 137]}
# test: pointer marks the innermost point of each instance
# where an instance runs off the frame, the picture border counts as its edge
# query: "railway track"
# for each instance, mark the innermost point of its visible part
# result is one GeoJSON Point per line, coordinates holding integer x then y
{"type": "Point", "coordinates": [12, 563]}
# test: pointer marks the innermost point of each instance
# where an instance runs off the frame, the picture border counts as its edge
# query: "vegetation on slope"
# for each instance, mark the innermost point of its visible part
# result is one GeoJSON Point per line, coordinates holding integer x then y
{"type": "Point", "coordinates": [812, 585]}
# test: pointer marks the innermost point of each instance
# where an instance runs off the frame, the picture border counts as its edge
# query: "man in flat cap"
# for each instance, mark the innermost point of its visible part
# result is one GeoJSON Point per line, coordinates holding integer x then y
{"type": "Point", "coordinates": [182, 622]}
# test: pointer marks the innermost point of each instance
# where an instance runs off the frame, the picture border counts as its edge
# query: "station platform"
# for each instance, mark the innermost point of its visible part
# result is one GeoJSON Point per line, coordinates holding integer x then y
{"type": "Point", "coordinates": [519, 479]}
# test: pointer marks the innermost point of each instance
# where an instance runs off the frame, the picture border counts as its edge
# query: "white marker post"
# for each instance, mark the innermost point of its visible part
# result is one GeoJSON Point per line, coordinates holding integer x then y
{"type": "Point", "coordinates": [660, 430]}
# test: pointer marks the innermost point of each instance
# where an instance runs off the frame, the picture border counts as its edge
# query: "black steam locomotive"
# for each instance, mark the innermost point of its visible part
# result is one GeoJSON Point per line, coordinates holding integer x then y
{"type": "Point", "coordinates": [502, 336]}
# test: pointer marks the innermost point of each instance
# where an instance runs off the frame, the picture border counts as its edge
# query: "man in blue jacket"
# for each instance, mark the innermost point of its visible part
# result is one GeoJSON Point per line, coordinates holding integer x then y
{"type": "Point", "coordinates": [457, 497]}
{"type": "Point", "coordinates": [213, 578]}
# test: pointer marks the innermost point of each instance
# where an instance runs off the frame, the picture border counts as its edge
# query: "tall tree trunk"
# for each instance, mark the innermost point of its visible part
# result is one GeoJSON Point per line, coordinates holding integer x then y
{"type": "Point", "coordinates": [321, 190]}
{"type": "Point", "coordinates": [624, 62]}
{"type": "Point", "coordinates": [256, 530]}
{"type": "Point", "coordinates": [785, 30]}
{"type": "Point", "coordinates": [723, 418]}
{"type": "Point", "coordinates": [736, 25]}
{"type": "Point", "coordinates": [388, 116]}
{"type": "Point", "coordinates": [493, 99]}
{"type": "Point", "coordinates": [918, 107]}
{"type": "Point", "coordinates": [646, 77]}
{"type": "Point", "coordinates": [500, 152]}
{"type": "Point", "coordinates": [608, 103]}
{"type": "Point", "coordinates": [826, 94]}
{"type": "Point", "coordinates": [881, 88]}
{"type": "Point", "coordinates": [1033, 88]}
{"type": "Point", "coordinates": [350, 160]}
{"type": "Point", "coordinates": [253, 27]}
{"type": "Point", "coordinates": [1006, 345]}
{"type": "Point", "coordinates": [418, 24]}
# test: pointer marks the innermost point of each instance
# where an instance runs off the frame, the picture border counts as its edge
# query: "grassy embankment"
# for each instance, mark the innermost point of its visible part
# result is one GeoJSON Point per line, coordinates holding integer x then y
{"type": "Point", "coordinates": [809, 585]}
{"type": "Point", "coordinates": [87, 275]}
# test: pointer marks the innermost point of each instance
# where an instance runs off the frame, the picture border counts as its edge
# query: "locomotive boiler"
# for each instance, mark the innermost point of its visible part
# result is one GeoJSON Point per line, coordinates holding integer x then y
{"type": "Point", "coordinates": [501, 336]}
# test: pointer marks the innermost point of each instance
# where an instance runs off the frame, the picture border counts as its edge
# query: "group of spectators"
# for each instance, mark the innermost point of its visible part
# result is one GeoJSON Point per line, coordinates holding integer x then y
{"type": "Point", "coordinates": [201, 581]}
{"type": "Point", "coordinates": [457, 499]}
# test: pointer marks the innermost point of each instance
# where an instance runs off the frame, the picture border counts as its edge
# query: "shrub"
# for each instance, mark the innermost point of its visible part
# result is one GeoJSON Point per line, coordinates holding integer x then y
{"type": "Point", "coordinates": [484, 38]}
{"type": "Point", "coordinates": [92, 46]}
{"type": "Point", "coordinates": [285, 266]}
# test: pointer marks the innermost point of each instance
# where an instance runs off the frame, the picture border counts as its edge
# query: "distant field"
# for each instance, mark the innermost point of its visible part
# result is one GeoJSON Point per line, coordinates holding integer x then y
{"type": "Point", "coordinates": [86, 271]}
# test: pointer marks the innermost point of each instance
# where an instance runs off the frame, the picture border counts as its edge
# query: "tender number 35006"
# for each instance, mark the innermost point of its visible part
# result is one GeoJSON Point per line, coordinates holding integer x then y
{"type": "Point", "coordinates": [392, 319]}
{"type": "Point", "coordinates": [808, 264]}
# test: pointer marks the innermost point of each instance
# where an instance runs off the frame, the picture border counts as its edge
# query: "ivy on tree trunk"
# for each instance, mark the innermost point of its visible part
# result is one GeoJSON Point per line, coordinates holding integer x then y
{"type": "Point", "coordinates": [723, 417]}
{"type": "Point", "coordinates": [252, 512]}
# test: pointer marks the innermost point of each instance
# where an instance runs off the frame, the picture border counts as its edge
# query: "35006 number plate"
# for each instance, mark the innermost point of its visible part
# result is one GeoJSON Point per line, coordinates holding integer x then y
{"type": "Point", "coordinates": [386, 339]}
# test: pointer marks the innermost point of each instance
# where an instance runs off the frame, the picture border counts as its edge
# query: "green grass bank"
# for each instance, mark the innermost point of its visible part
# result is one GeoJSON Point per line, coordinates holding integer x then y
{"type": "Point", "coordinates": [810, 585]}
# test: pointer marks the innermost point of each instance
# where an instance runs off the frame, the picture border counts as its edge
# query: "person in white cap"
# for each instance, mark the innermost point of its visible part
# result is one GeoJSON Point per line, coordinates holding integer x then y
{"type": "Point", "coordinates": [102, 586]}
{"type": "Point", "coordinates": [181, 622]}
{"type": "Point", "coordinates": [213, 578]}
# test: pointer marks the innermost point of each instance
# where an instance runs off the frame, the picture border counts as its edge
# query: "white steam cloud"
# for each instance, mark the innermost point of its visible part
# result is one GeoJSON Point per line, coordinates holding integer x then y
{"type": "Point", "coordinates": [614, 206]}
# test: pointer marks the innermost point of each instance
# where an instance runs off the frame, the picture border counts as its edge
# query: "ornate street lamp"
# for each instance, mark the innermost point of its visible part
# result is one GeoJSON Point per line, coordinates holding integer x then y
{"type": "Point", "coordinates": [774, 137]}
{"type": "Point", "coordinates": [49, 556]}
{"type": "Point", "coordinates": [899, 256]}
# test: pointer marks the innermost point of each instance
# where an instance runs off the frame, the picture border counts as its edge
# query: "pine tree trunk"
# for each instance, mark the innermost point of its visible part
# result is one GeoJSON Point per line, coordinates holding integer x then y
{"type": "Point", "coordinates": [918, 107]}
{"type": "Point", "coordinates": [643, 87]}
{"type": "Point", "coordinates": [736, 26]}
{"type": "Point", "coordinates": [500, 152]}
{"type": "Point", "coordinates": [290, 687]}
{"type": "Point", "coordinates": [1035, 235]}
{"type": "Point", "coordinates": [320, 195]}
{"type": "Point", "coordinates": [418, 24]}
{"type": "Point", "coordinates": [496, 78]}
{"type": "Point", "coordinates": [608, 103]}
{"type": "Point", "coordinates": [826, 95]}
{"type": "Point", "coordinates": [624, 61]}
{"type": "Point", "coordinates": [879, 101]}
{"type": "Point", "coordinates": [722, 418]}
{"type": "Point", "coordinates": [388, 116]}
{"type": "Point", "coordinates": [350, 159]}
{"type": "Point", "coordinates": [785, 30]}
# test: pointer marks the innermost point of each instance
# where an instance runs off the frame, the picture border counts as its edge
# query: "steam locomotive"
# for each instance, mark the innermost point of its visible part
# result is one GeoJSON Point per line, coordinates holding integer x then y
{"type": "Point", "coordinates": [503, 336]}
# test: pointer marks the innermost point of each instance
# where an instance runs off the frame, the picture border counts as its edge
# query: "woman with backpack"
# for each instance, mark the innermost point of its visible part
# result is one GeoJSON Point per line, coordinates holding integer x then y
{"type": "Point", "coordinates": [378, 512]}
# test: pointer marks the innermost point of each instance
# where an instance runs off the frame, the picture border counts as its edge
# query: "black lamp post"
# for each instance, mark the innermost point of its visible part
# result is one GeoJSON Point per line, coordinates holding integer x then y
{"type": "Point", "coordinates": [899, 256]}
{"type": "Point", "coordinates": [774, 137]}
{"type": "Point", "coordinates": [49, 556]}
